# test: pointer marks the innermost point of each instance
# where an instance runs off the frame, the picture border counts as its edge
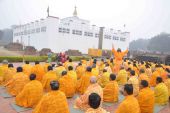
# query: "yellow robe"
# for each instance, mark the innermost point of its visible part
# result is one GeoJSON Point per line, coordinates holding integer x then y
{"type": "Point", "coordinates": [17, 83]}
{"type": "Point", "coordinates": [83, 83]}
{"type": "Point", "coordinates": [104, 79]}
{"type": "Point", "coordinates": [161, 94]}
{"type": "Point", "coordinates": [72, 74]}
{"type": "Point", "coordinates": [146, 100]}
{"type": "Point", "coordinates": [67, 86]}
{"type": "Point", "coordinates": [52, 102]}
{"type": "Point", "coordinates": [128, 105]}
{"type": "Point", "coordinates": [153, 78]}
{"type": "Point", "coordinates": [122, 77]}
{"type": "Point", "coordinates": [148, 72]}
{"type": "Point", "coordinates": [95, 72]}
{"type": "Point", "coordinates": [47, 78]}
{"type": "Point", "coordinates": [82, 101]}
{"type": "Point", "coordinates": [111, 92]}
{"type": "Point", "coordinates": [9, 75]}
{"type": "Point", "coordinates": [39, 71]}
{"type": "Point", "coordinates": [59, 70]}
{"type": "Point", "coordinates": [167, 82]}
{"type": "Point", "coordinates": [135, 82]}
{"type": "Point", "coordinates": [3, 70]}
{"type": "Point", "coordinates": [80, 70]}
{"type": "Point", "coordinates": [27, 69]}
{"type": "Point", "coordinates": [30, 95]}
{"type": "Point", "coordinates": [98, 110]}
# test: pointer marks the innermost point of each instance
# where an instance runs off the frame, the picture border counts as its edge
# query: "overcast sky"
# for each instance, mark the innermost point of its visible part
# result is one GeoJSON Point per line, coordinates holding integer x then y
{"type": "Point", "coordinates": [143, 18]}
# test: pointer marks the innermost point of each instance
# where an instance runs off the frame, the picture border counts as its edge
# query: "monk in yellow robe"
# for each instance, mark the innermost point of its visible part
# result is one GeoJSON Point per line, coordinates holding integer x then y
{"type": "Point", "coordinates": [104, 78]}
{"type": "Point", "coordinates": [72, 74]}
{"type": "Point", "coordinates": [69, 63]}
{"type": "Point", "coordinates": [155, 74]}
{"type": "Point", "coordinates": [130, 103]}
{"type": "Point", "coordinates": [148, 71]}
{"type": "Point", "coordinates": [122, 76]}
{"type": "Point", "coordinates": [118, 55]}
{"type": "Point", "coordinates": [59, 69]}
{"type": "Point", "coordinates": [101, 65]}
{"type": "Point", "coordinates": [135, 82]}
{"type": "Point", "coordinates": [47, 78]}
{"type": "Point", "coordinates": [94, 103]}
{"type": "Point", "coordinates": [111, 90]}
{"type": "Point", "coordinates": [143, 76]}
{"type": "Point", "coordinates": [9, 74]}
{"type": "Point", "coordinates": [95, 71]}
{"type": "Point", "coordinates": [167, 83]}
{"type": "Point", "coordinates": [67, 85]}
{"type": "Point", "coordinates": [80, 70]}
{"type": "Point", "coordinates": [146, 98]}
{"type": "Point", "coordinates": [161, 92]}
{"type": "Point", "coordinates": [38, 70]}
{"type": "Point", "coordinates": [84, 82]}
{"type": "Point", "coordinates": [27, 68]}
{"type": "Point", "coordinates": [82, 101]}
{"type": "Point", "coordinates": [31, 93]}
{"type": "Point", "coordinates": [53, 102]}
{"type": "Point", "coordinates": [17, 83]}
{"type": "Point", "coordinates": [3, 70]}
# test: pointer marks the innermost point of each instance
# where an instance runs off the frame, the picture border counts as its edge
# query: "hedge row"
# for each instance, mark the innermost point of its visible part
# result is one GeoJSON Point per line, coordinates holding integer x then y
{"type": "Point", "coordinates": [37, 58]}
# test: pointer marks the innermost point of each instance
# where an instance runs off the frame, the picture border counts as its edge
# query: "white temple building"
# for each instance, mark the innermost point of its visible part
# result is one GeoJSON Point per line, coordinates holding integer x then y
{"type": "Point", "coordinates": [68, 33]}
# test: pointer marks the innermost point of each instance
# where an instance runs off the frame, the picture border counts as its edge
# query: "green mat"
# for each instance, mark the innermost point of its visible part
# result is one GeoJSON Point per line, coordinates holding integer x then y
{"type": "Point", "coordinates": [19, 108]}
{"type": "Point", "coordinates": [6, 95]}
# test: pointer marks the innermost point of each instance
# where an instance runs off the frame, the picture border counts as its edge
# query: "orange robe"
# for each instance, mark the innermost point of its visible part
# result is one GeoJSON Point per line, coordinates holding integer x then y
{"type": "Point", "coordinates": [83, 83]}
{"type": "Point", "coordinates": [80, 70]}
{"type": "Point", "coordinates": [82, 101]}
{"type": "Point", "coordinates": [73, 75]}
{"type": "Point", "coordinates": [128, 105]}
{"type": "Point", "coordinates": [59, 70]}
{"type": "Point", "coordinates": [47, 78]}
{"type": "Point", "coordinates": [39, 71]}
{"type": "Point", "coordinates": [30, 95]}
{"type": "Point", "coordinates": [67, 86]}
{"type": "Point", "coordinates": [3, 70]}
{"type": "Point", "coordinates": [146, 100]}
{"type": "Point", "coordinates": [9, 75]}
{"type": "Point", "coordinates": [52, 102]}
{"type": "Point", "coordinates": [153, 78]}
{"type": "Point", "coordinates": [46, 67]}
{"type": "Point", "coordinates": [17, 83]}
{"type": "Point", "coordinates": [110, 92]}
{"type": "Point", "coordinates": [98, 110]}
{"type": "Point", "coordinates": [27, 69]}
{"type": "Point", "coordinates": [143, 76]}
{"type": "Point", "coordinates": [167, 83]}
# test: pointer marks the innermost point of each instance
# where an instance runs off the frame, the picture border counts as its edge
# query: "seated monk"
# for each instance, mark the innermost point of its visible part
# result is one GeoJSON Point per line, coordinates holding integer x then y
{"type": "Point", "coordinates": [80, 70]}
{"type": "Point", "coordinates": [146, 98]}
{"type": "Point", "coordinates": [143, 75]}
{"type": "Point", "coordinates": [167, 82]}
{"type": "Point", "coordinates": [95, 71]}
{"type": "Point", "coordinates": [82, 101]}
{"type": "Point", "coordinates": [27, 68]}
{"type": "Point", "coordinates": [84, 82]}
{"type": "Point", "coordinates": [9, 73]}
{"type": "Point", "coordinates": [122, 76]}
{"type": "Point", "coordinates": [161, 92]}
{"type": "Point", "coordinates": [135, 82]}
{"type": "Point", "coordinates": [67, 85]}
{"type": "Point", "coordinates": [94, 103]}
{"type": "Point", "coordinates": [130, 103]}
{"type": "Point", "coordinates": [53, 102]}
{"type": "Point", "coordinates": [108, 68]}
{"type": "Point", "coordinates": [31, 93]}
{"type": "Point", "coordinates": [38, 70]}
{"type": "Point", "coordinates": [59, 69]}
{"type": "Point", "coordinates": [104, 79]}
{"type": "Point", "coordinates": [111, 90]}
{"type": "Point", "coordinates": [3, 70]}
{"type": "Point", "coordinates": [153, 77]}
{"type": "Point", "coordinates": [72, 74]}
{"type": "Point", "coordinates": [17, 83]}
{"type": "Point", "coordinates": [47, 78]}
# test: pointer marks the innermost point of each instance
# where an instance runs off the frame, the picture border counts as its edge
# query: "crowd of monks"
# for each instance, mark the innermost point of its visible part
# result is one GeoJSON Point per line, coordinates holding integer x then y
{"type": "Point", "coordinates": [46, 87]}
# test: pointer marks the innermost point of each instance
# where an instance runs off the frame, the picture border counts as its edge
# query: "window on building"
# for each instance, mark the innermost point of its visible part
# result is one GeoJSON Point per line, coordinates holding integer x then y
{"type": "Point", "coordinates": [68, 31]}
{"type": "Point", "coordinates": [43, 29]}
{"type": "Point", "coordinates": [37, 30]}
{"type": "Point", "coordinates": [115, 38]}
{"type": "Point", "coordinates": [33, 31]}
{"type": "Point", "coordinates": [73, 32]}
{"type": "Point", "coordinates": [25, 32]}
{"type": "Point", "coordinates": [60, 30]}
{"type": "Point", "coordinates": [123, 39]}
{"type": "Point", "coordinates": [96, 35]}
{"type": "Point", "coordinates": [28, 31]}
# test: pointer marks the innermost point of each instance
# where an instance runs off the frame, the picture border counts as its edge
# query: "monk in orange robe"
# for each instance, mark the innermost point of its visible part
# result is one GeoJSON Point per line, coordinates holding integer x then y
{"type": "Point", "coordinates": [68, 63]}
{"type": "Point", "coordinates": [130, 103]}
{"type": "Point", "coordinates": [9, 73]}
{"type": "Point", "coordinates": [67, 85]}
{"type": "Point", "coordinates": [118, 55]}
{"type": "Point", "coordinates": [146, 97]}
{"type": "Point", "coordinates": [47, 78]}
{"type": "Point", "coordinates": [143, 76]}
{"type": "Point", "coordinates": [38, 70]}
{"type": "Point", "coordinates": [80, 70]}
{"type": "Point", "coordinates": [59, 69]}
{"type": "Point", "coordinates": [167, 83]}
{"type": "Point", "coordinates": [72, 74]}
{"type": "Point", "coordinates": [84, 82]}
{"type": "Point", "coordinates": [82, 101]}
{"type": "Point", "coordinates": [94, 103]}
{"type": "Point", "coordinates": [53, 102]}
{"type": "Point", "coordinates": [104, 78]}
{"type": "Point", "coordinates": [45, 66]}
{"type": "Point", "coordinates": [122, 76]}
{"type": "Point", "coordinates": [155, 74]}
{"type": "Point", "coordinates": [17, 83]}
{"type": "Point", "coordinates": [31, 93]}
{"type": "Point", "coordinates": [27, 68]}
{"type": "Point", "coordinates": [111, 90]}
{"type": "Point", "coordinates": [3, 70]}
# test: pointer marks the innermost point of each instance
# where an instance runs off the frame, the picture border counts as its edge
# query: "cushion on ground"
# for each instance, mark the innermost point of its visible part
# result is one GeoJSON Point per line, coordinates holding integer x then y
{"type": "Point", "coordinates": [19, 108]}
